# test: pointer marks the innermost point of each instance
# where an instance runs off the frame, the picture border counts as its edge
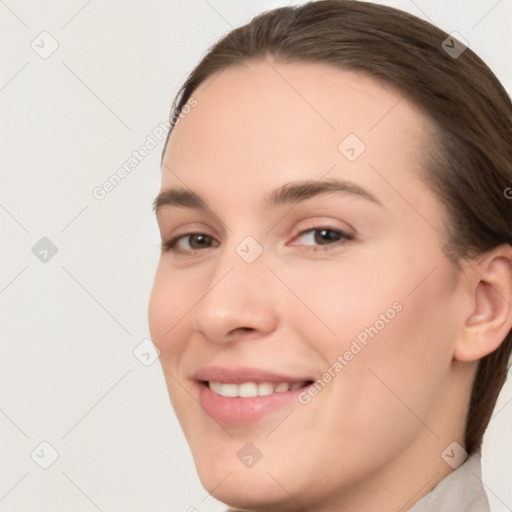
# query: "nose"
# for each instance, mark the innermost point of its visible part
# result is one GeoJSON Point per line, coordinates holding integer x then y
{"type": "Point", "coordinates": [239, 301]}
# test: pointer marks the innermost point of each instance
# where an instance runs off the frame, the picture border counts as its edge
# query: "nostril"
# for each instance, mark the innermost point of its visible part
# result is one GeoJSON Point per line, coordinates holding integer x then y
{"type": "Point", "coordinates": [244, 329]}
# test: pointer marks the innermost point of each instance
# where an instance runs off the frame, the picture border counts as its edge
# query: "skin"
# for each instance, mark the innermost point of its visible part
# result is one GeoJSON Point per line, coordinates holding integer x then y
{"type": "Point", "coordinates": [372, 438]}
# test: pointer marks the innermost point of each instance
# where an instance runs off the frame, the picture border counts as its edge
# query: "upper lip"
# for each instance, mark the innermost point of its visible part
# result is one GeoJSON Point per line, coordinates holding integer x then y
{"type": "Point", "coordinates": [240, 374]}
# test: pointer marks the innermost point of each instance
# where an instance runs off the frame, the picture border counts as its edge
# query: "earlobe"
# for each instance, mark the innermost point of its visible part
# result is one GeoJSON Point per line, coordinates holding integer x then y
{"type": "Point", "coordinates": [490, 320]}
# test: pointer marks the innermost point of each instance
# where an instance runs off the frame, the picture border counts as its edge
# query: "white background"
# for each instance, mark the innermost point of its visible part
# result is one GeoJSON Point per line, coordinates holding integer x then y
{"type": "Point", "coordinates": [69, 326]}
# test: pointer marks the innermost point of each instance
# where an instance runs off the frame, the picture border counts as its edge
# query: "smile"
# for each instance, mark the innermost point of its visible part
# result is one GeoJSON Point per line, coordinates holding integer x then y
{"type": "Point", "coordinates": [252, 389]}
{"type": "Point", "coordinates": [243, 395]}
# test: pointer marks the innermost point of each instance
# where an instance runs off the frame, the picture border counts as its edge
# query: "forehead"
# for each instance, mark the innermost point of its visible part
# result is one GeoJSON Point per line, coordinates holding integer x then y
{"type": "Point", "coordinates": [264, 105]}
{"type": "Point", "coordinates": [261, 123]}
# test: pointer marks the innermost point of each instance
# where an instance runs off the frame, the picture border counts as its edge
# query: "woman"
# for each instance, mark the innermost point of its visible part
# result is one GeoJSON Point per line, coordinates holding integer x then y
{"type": "Point", "coordinates": [333, 299]}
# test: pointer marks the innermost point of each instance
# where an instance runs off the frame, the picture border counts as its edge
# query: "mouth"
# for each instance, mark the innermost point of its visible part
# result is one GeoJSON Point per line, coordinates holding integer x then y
{"type": "Point", "coordinates": [244, 396]}
{"type": "Point", "coordinates": [253, 389]}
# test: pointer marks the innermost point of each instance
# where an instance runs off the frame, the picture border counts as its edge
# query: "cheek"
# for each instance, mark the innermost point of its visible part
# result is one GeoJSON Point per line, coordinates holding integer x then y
{"type": "Point", "coordinates": [168, 306]}
{"type": "Point", "coordinates": [391, 326]}
{"type": "Point", "coordinates": [169, 303]}
{"type": "Point", "coordinates": [339, 300]}
{"type": "Point", "coordinates": [400, 374]}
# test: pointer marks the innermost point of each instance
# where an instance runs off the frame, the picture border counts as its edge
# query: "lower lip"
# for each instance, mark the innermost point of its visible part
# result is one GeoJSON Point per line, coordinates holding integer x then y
{"type": "Point", "coordinates": [241, 411]}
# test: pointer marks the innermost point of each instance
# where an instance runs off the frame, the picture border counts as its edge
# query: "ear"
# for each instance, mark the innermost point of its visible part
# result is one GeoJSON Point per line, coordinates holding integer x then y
{"type": "Point", "coordinates": [490, 319]}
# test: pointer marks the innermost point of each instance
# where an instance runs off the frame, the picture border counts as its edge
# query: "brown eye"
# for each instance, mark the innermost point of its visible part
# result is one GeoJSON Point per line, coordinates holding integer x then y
{"type": "Point", "coordinates": [195, 241]}
{"type": "Point", "coordinates": [323, 236]}
{"type": "Point", "coordinates": [198, 241]}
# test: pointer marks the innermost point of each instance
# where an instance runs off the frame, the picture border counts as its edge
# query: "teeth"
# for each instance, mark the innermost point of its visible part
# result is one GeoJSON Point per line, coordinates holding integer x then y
{"type": "Point", "coordinates": [230, 390]}
{"type": "Point", "coordinates": [281, 387]}
{"type": "Point", "coordinates": [216, 387]}
{"type": "Point", "coordinates": [265, 388]}
{"type": "Point", "coordinates": [252, 389]}
{"type": "Point", "coordinates": [247, 389]}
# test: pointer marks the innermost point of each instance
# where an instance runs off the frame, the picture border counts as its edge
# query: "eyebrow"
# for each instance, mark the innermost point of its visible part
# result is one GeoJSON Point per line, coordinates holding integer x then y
{"type": "Point", "coordinates": [289, 193]}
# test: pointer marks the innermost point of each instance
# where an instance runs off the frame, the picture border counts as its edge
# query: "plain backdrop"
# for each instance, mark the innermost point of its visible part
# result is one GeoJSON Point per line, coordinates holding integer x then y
{"type": "Point", "coordinates": [78, 383]}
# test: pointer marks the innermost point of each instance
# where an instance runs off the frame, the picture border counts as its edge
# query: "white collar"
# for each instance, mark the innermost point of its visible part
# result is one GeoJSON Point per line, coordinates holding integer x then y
{"type": "Point", "coordinates": [461, 490]}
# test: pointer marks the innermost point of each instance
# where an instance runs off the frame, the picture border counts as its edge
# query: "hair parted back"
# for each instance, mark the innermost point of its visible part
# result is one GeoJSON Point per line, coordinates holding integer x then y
{"type": "Point", "coordinates": [470, 152]}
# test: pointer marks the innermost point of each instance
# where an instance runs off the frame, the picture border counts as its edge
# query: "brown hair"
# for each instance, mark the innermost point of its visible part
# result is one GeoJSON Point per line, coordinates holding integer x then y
{"type": "Point", "coordinates": [470, 163]}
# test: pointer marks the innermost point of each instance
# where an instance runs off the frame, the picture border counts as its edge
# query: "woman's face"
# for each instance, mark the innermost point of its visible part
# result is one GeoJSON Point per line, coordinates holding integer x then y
{"type": "Point", "coordinates": [312, 255]}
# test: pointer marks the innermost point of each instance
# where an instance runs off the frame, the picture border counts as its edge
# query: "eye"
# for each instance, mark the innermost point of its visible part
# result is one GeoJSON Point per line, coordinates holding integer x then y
{"type": "Point", "coordinates": [319, 238]}
{"type": "Point", "coordinates": [323, 238]}
{"type": "Point", "coordinates": [195, 241]}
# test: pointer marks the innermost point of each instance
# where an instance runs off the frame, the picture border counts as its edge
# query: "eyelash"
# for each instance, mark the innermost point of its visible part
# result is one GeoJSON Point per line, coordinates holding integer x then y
{"type": "Point", "coordinates": [171, 244]}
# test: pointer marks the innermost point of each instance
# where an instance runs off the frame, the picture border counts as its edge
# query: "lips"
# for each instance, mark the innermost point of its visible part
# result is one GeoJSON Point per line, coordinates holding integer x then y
{"type": "Point", "coordinates": [245, 395]}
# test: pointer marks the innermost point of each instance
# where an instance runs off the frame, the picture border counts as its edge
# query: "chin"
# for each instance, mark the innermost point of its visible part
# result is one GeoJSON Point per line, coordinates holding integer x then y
{"type": "Point", "coordinates": [248, 491]}
{"type": "Point", "coordinates": [257, 487]}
